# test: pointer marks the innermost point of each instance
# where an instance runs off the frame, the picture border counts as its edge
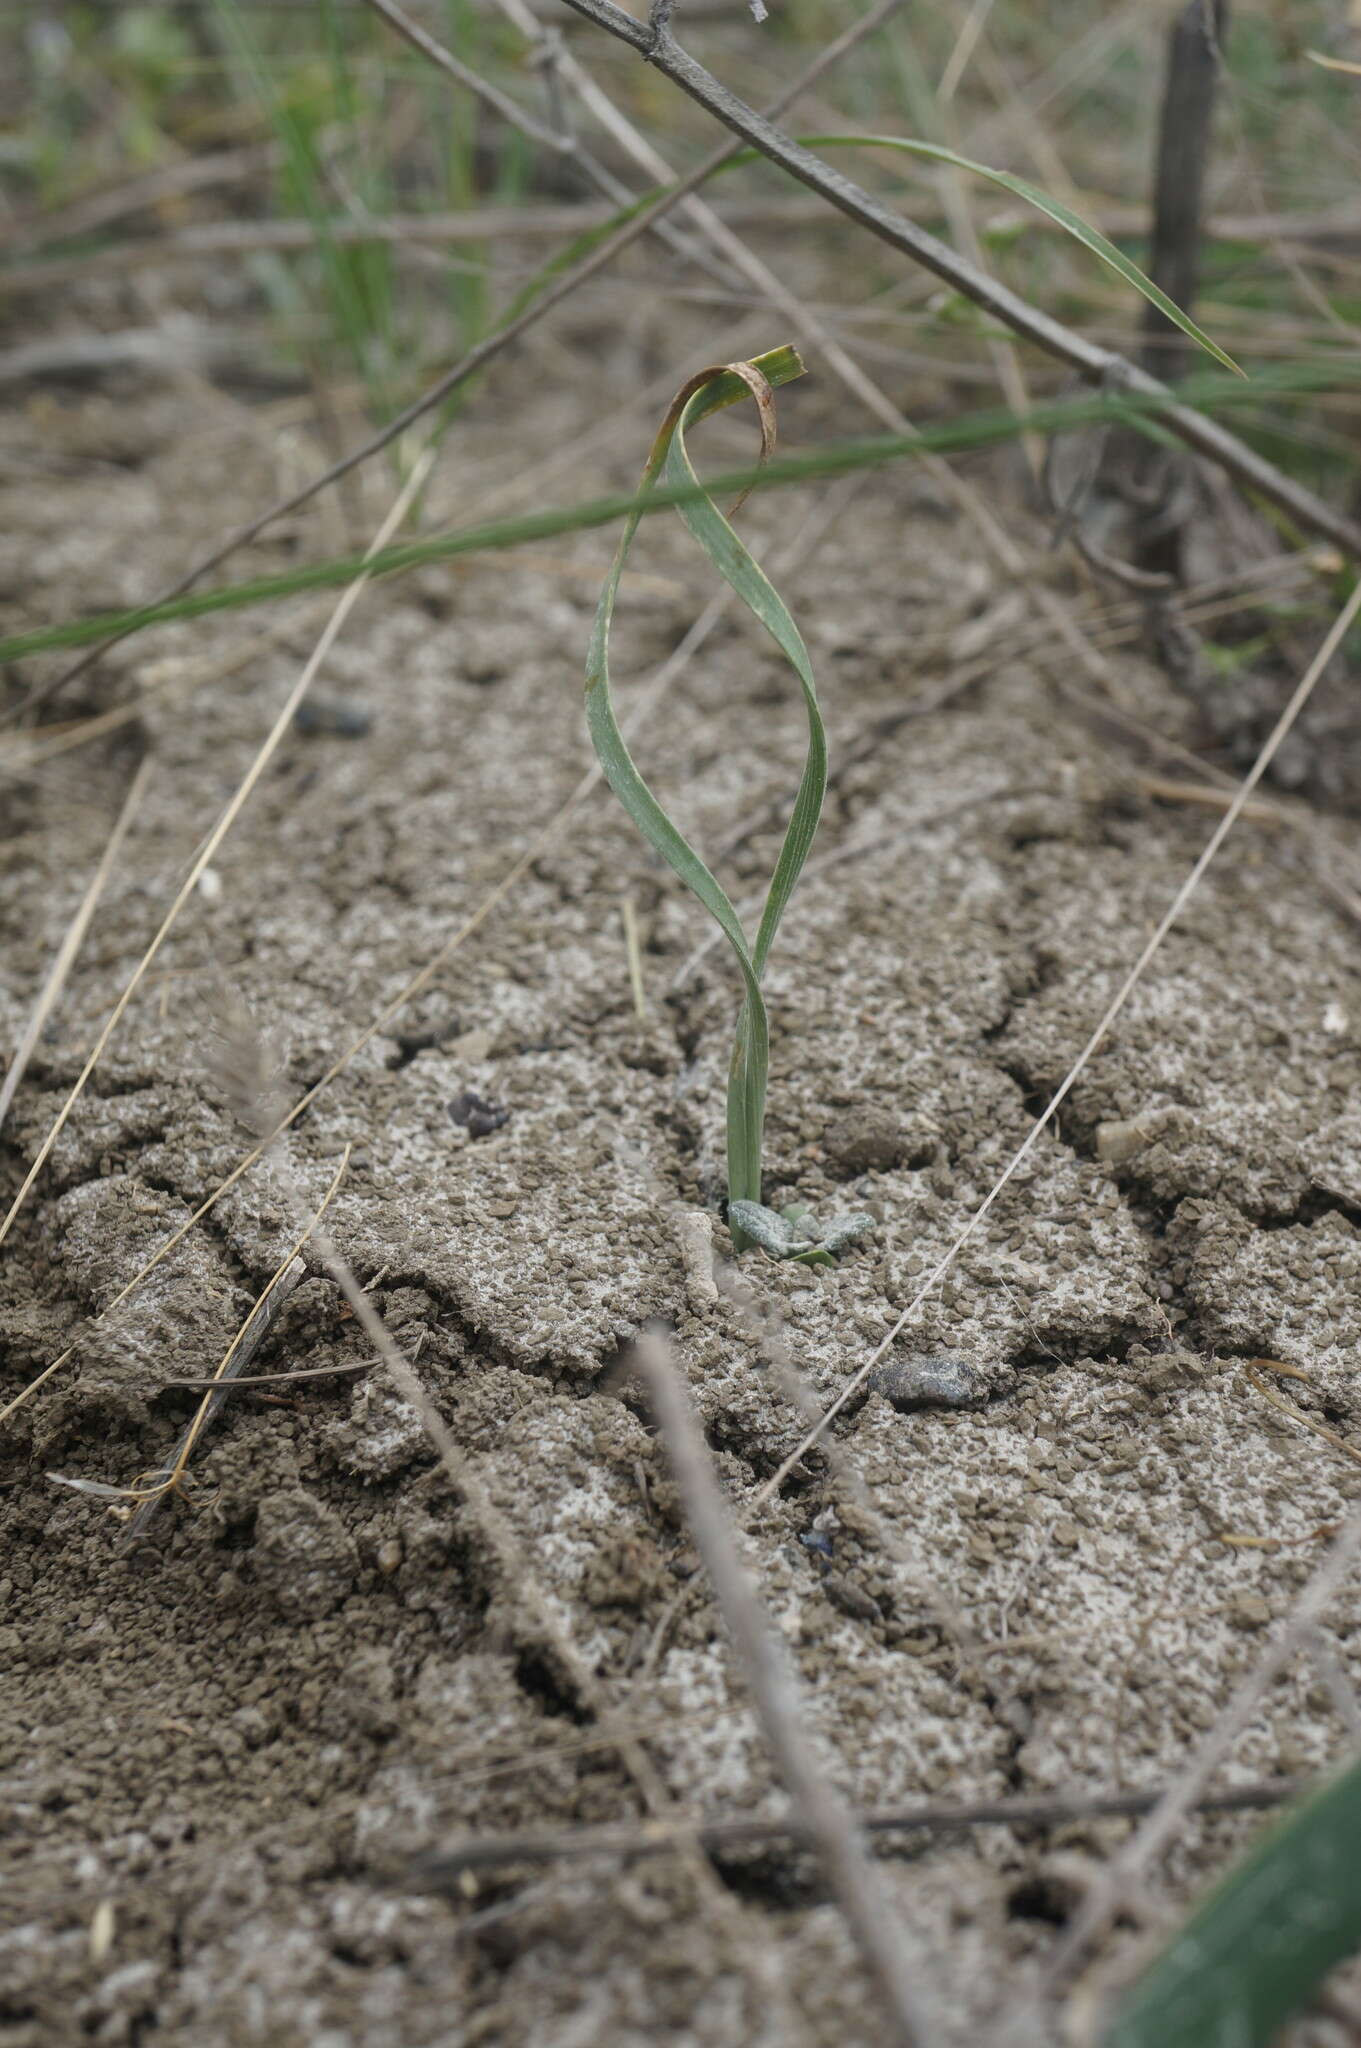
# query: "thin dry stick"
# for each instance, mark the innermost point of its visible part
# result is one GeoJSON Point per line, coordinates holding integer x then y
{"type": "Point", "coordinates": [286, 1379]}
{"type": "Point", "coordinates": [823, 1817]}
{"type": "Point", "coordinates": [74, 939]}
{"type": "Point", "coordinates": [553, 53]}
{"type": "Point", "coordinates": [1100, 365]}
{"type": "Point", "coordinates": [1162, 1825]}
{"type": "Point", "coordinates": [813, 530]}
{"type": "Point", "coordinates": [243, 1348]}
{"type": "Point", "coordinates": [477, 358]}
{"type": "Point", "coordinates": [934, 1817]}
{"type": "Point", "coordinates": [1298, 700]}
{"type": "Point", "coordinates": [560, 141]}
{"type": "Point", "coordinates": [1309, 1422]}
{"type": "Point", "coordinates": [334, 625]}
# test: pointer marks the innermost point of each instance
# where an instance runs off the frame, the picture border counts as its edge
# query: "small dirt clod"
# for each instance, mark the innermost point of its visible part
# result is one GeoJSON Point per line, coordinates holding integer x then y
{"type": "Point", "coordinates": [478, 1118]}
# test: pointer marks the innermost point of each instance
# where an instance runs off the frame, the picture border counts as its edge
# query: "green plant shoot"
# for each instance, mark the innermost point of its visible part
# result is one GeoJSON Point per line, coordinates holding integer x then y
{"type": "Point", "coordinates": [1256, 1950]}
{"type": "Point", "coordinates": [707, 393]}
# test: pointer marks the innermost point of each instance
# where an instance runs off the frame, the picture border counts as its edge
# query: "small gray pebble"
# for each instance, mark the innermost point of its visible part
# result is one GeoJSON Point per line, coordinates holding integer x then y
{"type": "Point", "coordinates": [329, 714]}
{"type": "Point", "coordinates": [935, 1382]}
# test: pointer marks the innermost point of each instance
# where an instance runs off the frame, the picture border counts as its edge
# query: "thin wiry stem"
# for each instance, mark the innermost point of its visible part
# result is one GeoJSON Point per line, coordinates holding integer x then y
{"type": "Point", "coordinates": [823, 1818]}
{"type": "Point", "coordinates": [244, 1346]}
{"type": "Point", "coordinates": [560, 141]}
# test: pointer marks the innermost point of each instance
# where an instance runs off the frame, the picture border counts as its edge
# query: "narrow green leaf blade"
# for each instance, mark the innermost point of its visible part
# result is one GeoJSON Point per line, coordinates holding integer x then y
{"type": "Point", "coordinates": [1212, 393]}
{"type": "Point", "coordinates": [1262, 1942]}
{"type": "Point", "coordinates": [669, 460]}
{"type": "Point", "coordinates": [1063, 216]}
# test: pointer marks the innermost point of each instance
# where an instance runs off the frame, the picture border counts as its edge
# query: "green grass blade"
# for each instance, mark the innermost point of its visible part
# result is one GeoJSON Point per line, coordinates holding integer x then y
{"type": "Point", "coordinates": [1211, 393]}
{"type": "Point", "coordinates": [1063, 216]}
{"type": "Point", "coordinates": [1258, 1948]}
{"type": "Point", "coordinates": [670, 462]}
{"type": "Point", "coordinates": [295, 129]}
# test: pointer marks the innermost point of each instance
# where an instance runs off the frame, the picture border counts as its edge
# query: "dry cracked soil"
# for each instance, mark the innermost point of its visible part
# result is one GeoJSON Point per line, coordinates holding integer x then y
{"type": "Point", "coordinates": [222, 1748]}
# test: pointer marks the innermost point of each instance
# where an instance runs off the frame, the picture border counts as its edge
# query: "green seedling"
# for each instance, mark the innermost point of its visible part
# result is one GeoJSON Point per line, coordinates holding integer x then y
{"type": "Point", "coordinates": [708, 393]}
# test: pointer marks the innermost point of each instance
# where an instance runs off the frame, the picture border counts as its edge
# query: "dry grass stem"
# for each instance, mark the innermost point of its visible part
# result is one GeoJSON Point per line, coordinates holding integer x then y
{"type": "Point", "coordinates": [933, 1817]}
{"type": "Point", "coordinates": [247, 1341]}
{"type": "Point", "coordinates": [825, 1821]}
{"type": "Point", "coordinates": [74, 938]}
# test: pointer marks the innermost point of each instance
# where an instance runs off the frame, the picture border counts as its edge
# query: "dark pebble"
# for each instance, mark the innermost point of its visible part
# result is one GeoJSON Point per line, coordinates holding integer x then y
{"type": "Point", "coordinates": [935, 1382]}
{"type": "Point", "coordinates": [328, 714]}
{"type": "Point", "coordinates": [478, 1118]}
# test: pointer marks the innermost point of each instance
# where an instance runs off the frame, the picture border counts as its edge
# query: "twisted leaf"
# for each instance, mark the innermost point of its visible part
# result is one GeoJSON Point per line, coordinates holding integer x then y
{"type": "Point", "coordinates": [704, 394]}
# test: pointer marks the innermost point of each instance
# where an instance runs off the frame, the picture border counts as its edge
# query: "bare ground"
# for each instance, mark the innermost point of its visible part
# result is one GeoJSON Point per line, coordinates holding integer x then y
{"type": "Point", "coordinates": [323, 1665]}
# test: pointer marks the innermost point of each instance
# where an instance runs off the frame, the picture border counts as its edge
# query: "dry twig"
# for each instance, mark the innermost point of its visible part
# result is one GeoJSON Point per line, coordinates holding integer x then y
{"type": "Point", "coordinates": [74, 939]}
{"type": "Point", "coordinates": [823, 1819]}
{"type": "Point", "coordinates": [244, 1347]}
{"type": "Point", "coordinates": [1100, 366]}
{"type": "Point", "coordinates": [444, 1867]}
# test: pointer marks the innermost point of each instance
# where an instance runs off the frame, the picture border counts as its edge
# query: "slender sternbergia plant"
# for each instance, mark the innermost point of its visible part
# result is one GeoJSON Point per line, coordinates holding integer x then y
{"type": "Point", "coordinates": [787, 1234]}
